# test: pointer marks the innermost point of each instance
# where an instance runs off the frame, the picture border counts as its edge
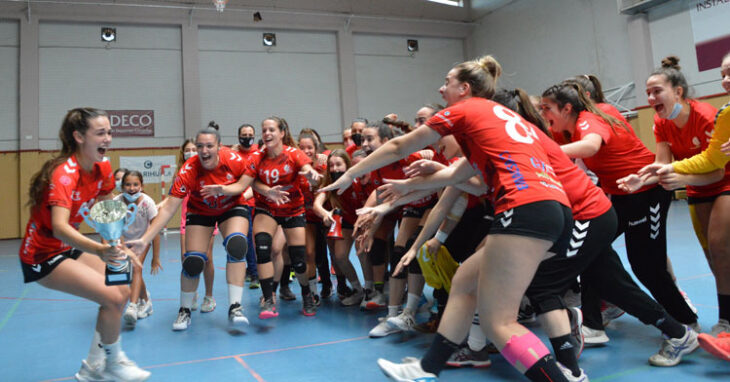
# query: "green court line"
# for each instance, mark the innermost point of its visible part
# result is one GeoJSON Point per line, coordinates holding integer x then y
{"type": "Point", "coordinates": [621, 374]}
{"type": "Point", "coordinates": [13, 308]}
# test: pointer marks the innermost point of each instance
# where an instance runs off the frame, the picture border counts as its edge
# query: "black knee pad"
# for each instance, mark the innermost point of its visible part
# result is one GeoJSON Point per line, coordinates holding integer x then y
{"type": "Point", "coordinates": [547, 303]}
{"type": "Point", "coordinates": [414, 267]}
{"type": "Point", "coordinates": [263, 247]}
{"type": "Point", "coordinates": [193, 264]}
{"type": "Point", "coordinates": [236, 245]}
{"type": "Point", "coordinates": [378, 251]}
{"type": "Point", "coordinates": [413, 237]}
{"type": "Point", "coordinates": [298, 257]}
{"type": "Point", "coordinates": [398, 253]}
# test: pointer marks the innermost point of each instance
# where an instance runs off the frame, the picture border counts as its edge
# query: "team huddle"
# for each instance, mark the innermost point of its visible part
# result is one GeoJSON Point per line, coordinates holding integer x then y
{"type": "Point", "coordinates": [505, 204]}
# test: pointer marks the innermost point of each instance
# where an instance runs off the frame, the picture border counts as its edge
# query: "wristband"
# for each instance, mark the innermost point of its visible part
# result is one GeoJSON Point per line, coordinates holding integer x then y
{"type": "Point", "coordinates": [441, 236]}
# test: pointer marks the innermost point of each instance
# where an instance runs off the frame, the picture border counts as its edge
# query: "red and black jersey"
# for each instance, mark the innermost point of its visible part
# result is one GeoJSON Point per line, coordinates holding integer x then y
{"type": "Point", "coordinates": [247, 155]}
{"type": "Point", "coordinates": [71, 187]}
{"type": "Point", "coordinates": [309, 193]}
{"type": "Point", "coordinates": [396, 171]}
{"type": "Point", "coordinates": [282, 170]}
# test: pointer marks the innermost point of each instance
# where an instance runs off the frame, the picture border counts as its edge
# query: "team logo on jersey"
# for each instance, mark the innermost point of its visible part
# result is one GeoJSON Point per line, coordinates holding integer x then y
{"type": "Point", "coordinates": [183, 189]}
{"type": "Point", "coordinates": [287, 169]}
{"type": "Point", "coordinates": [36, 268]}
{"type": "Point", "coordinates": [229, 176]}
{"type": "Point", "coordinates": [65, 180]}
{"type": "Point", "coordinates": [447, 113]}
{"type": "Point", "coordinates": [695, 143]}
{"type": "Point", "coordinates": [70, 166]}
{"type": "Point", "coordinates": [584, 125]}
{"type": "Point", "coordinates": [76, 196]}
{"type": "Point", "coordinates": [185, 168]}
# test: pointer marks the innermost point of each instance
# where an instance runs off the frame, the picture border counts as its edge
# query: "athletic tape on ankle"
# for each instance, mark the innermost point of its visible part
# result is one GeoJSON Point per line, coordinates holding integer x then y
{"type": "Point", "coordinates": [524, 351]}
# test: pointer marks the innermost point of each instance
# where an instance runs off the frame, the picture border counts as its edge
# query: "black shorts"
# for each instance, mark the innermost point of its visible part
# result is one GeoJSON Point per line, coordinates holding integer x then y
{"type": "Point", "coordinates": [35, 272]}
{"type": "Point", "coordinates": [417, 212]}
{"type": "Point", "coordinates": [546, 220]}
{"type": "Point", "coordinates": [210, 221]}
{"type": "Point", "coordinates": [705, 199]}
{"type": "Point", "coordinates": [470, 231]}
{"type": "Point", "coordinates": [285, 222]}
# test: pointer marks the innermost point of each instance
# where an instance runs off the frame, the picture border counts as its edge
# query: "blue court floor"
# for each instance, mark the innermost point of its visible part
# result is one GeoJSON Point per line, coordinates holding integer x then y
{"type": "Point", "coordinates": [44, 334]}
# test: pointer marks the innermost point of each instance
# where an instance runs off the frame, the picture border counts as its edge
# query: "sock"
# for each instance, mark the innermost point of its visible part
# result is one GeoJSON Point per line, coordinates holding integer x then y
{"type": "Point", "coordinates": [369, 284]}
{"type": "Point", "coordinates": [437, 355]}
{"type": "Point", "coordinates": [96, 351]}
{"type": "Point", "coordinates": [113, 350]}
{"type": "Point", "coordinates": [306, 290]}
{"type": "Point", "coordinates": [312, 285]}
{"type": "Point", "coordinates": [274, 286]}
{"type": "Point", "coordinates": [723, 301]}
{"type": "Point", "coordinates": [477, 339]}
{"type": "Point", "coordinates": [412, 302]}
{"type": "Point", "coordinates": [565, 353]}
{"type": "Point", "coordinates": [341, 280]}
{"type": "Point", "coordinates": [285, 274]}
{"type": "Point", "coordinates": [186, 299]}
{"type": "Point", "coordinates": [545, 370]}
{"type": "Point", "coordinates": [379, 286]}
{"type": "Point", "coordinates": [670, 327]}
{"type": "Point", "coordinates": [393, 310]}
{"type": "Point", "coordinates": [267, 287]}
{"type": "Point", "coordinates": [234, 294]}
{"type": "Point", "coordinates": [356, 285]}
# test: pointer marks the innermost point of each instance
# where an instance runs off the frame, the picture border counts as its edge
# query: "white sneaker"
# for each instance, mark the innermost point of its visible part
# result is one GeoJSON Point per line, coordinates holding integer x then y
{"type": "Point", "coordinates": [236, 316]}
{"type": "Point", "coordinates": [183, 319]}
{"type": "Point", "coordinates": [719, 327]}
{"type": "Point", "coordinates": [122, 369]}
{"type": "Point", "coordinates": [195, 302]}
{"type": "Point", "coordinates": [569, 374]}
{"type": "Point", "coordinates": [144, 307]}
{"type": "Point", "coordinates": [367, 295]}
{"type": "Point", "coordinates": [383, 328]}
{"type": "Point", "coordinates": [377, 301]}
{"type": "Point", "coordinates": [354, 299]}
{"type": "Point", "coordinates": [208, 305]}
{"type": "Point", "coordinates": [593, 337]}
{"type": "Point", "coordinates": [576, 329]}
{"type": "Point", "coordinates": [408, 371]}
{"type": "Point", "coordinates": [130, 314]}
{"type": "Point", "coordinates": [572, 299]}
{"type": "Point", "coordinates": [673, 349]}
{"type": "Point", "coordinates": [611, 313]}
{"type": "Point", "coordinates": [90, 372]}
{"type": "Point", "coordinates": [404, 321]}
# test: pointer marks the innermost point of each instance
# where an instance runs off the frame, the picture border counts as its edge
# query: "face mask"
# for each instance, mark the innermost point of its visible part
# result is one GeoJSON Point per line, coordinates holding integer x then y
{"type": "Point", "coordinates": [336, 175]}
{"type": "Point", "coordinates": [189, 154]}
{"type": "Point", "coordinates": [245, 142]}
{"type": "Point", "coordinates": [356, 139]}
{"type": "Point", "coordinates": [132, 197]}
{"type": "Point", "coordinates": [675, 111]}
{"type": "Point", "coordinates": [118, 185]}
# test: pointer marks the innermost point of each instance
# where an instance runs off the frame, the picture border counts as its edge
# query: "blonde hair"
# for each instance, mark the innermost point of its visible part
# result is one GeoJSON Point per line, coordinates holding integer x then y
{"type": "Point", "coordinates": [481, 75]}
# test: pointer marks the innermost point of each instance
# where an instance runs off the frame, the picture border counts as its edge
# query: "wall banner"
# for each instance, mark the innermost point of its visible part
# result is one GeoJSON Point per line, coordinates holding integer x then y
{"type": "Point", "coordinates": [149, 166]}
{"type": "Point", "coordinates": [711, 31]}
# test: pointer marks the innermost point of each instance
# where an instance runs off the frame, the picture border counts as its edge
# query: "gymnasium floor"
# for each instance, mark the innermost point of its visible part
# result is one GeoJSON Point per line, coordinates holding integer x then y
{"type": "Point", "coordinates": [45, 334]}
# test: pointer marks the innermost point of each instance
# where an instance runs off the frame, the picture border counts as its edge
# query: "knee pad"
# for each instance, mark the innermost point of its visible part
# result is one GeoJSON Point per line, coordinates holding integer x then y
{"type": "Point", "coordinates": [263, 247]}
{"type": "Point", "coordinates": [193, 264]}
{"type": "Point", "coordinates": [298, 257]}
{"type": "Point", "coordinates": [547, 303]}
{"type": "Point", "coordinates": [414, 267]}
{"type": "Point", "coordinates": [413, 237]}
{"type": "Point", "coordinates": [377, 252]}
{"type": "Point", "coordinates": [398, 253]}
{"type": "Point", "coordinates": [236, 245]}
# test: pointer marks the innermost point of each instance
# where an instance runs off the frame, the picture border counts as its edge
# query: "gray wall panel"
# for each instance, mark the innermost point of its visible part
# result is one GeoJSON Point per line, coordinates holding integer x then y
{"type": "Point", "coordinates": [9, 61]}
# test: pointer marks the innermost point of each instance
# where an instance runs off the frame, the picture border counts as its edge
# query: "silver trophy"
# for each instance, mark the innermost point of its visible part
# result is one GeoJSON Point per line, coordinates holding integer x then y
{"type": "Point", "coordinates": [110, 218]}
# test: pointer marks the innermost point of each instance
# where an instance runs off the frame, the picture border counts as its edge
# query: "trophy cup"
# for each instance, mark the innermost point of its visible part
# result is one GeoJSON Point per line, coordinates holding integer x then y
{"type": "Point", "coordinates": [110, 218]}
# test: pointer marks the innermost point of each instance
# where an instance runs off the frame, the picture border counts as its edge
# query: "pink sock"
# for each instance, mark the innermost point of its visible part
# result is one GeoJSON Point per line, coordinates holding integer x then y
{"type": "Point", "coordinates": [522, 352]}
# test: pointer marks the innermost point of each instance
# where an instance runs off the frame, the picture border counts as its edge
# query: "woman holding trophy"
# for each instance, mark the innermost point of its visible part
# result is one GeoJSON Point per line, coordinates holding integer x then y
{"type": "Point", "coordinates": [74, 179]}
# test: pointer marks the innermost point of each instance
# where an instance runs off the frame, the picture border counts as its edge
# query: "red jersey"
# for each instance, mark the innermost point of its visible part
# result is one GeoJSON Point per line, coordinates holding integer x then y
{"type": "Point", "coordinates": [691, 140]}
{"type": "Point", "coordinates": [395, 170]}
{"type": "Point", "coordinates": [192, 177]}
{"type": "Point", "coordinates": [308, 191]}
{"type": "Point", "coordinates": [351, 200]}
{"type": "Point", "coordinates": [621, 153]}
{"type": "Point", "coordinates": [247, 155]}
{"type": "Point", "coordinates": [351, 149]}
{"type": "Point", "coordinates": [282, 170]}
{"type": "Point", "coordinates": [72, 188]}
{"type": "Point", "coordinates": [501, 144]}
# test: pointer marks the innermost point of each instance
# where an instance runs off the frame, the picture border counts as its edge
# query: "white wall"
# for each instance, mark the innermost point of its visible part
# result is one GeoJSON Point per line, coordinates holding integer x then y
{"type": "Point", "coordinates": [243, 81]}
{"type": "Point", "coordinates": [9, 60]}
{"type": "Point", "coordinates": [141, 70]}
{"type": "Point", "coordinates": [392, 80]}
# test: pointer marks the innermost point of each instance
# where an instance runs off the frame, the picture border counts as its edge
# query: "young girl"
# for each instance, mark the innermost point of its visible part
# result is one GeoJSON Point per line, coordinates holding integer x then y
{"type": "Point", "coordinates": [140, 303]}
{"type": "Point", "coordinates": [118, 174]}
{"type": "Point", "coordinates": [56, 255]}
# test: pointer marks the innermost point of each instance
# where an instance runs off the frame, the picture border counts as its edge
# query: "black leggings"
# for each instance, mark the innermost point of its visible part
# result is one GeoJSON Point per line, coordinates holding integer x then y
{"type": "Point", "coordinates": [642, 217]}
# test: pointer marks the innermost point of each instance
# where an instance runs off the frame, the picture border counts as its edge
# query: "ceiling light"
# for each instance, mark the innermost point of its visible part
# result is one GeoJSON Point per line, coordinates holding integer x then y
{"type": "Point", "coordinates": [108, 34]}
{"type": "Point", "coordinates": [412, 45]}
{"type": "Point", "coordinates": [269, 39]}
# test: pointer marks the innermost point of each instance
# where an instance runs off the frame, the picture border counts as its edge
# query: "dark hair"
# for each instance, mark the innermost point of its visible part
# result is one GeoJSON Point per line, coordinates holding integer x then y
{"type": "Point", "coordinates": [670, 69]}
{"type": "Point", "coordinates": [133, 173]}
{"type": "Point", "coordinates": [359, 119]}
{"type": "Point", "coordinates": [360, 153]}
{"type": "Point", "coordinates": [327, 180]}
{"type": "Point", "coordinates": [436, 107]}
{"type": "Point", "coordinates": [593, 86]}
{"type": "Point", "coordinates": [481, 75]}
{"type": "Point", "coordinates": [519, 101]}
{"type": "Point", "coordinates": [181, 158]}
{"type": "Point", "coordinates": [283, 126]}
{"type": "Point", "coordinates": [571, 92]}
{"type": "Point", "coordinates": [211, 131]}
{"type": "Point", "coordinates": [384, 131]}
{"type": "Point", "coordinates": [307, 135]}
{"type": "Point", "coordinates": [214, 125]}
{"type": "Point", "coordinates": [320, 145]}
{"type": "Point", "coordinates": [75, 120]}
{"type": "Point", "coordinates": [120, 169]}
{"type": "Point", "coordinates": [246, 125]}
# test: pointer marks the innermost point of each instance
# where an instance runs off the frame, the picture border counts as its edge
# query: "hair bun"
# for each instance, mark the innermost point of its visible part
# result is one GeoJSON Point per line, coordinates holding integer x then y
{"type": "Point", "coordinates": [489, 64]}
{"type": "Point", "coordinates": [671, 62]}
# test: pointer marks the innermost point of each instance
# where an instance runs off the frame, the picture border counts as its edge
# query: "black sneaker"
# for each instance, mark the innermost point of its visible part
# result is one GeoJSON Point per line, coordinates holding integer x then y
{"type": "Point", "coordinates": [344, 291]}
{"type": "Point", "coordinates": [309, 306]}
{"type": "Point", "coordinates": [286, 294]}
{"type": "Point", "coordinates": [464, 356]}
{"type": "Point", "coordinates": [326, 291]}
{"type": "Point", "coordinates": [254, 283]}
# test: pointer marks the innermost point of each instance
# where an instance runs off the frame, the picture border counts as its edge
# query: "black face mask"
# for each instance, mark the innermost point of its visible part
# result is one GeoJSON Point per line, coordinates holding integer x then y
{"type": "Point", "coordinates": [336, 175]}
{"type": "Point", "coordinates": [356, 139]}
{"type": "Point", "coordinates": [245, 142]}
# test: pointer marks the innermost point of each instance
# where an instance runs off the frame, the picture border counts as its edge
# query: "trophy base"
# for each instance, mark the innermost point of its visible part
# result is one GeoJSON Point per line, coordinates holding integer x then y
{"type": "Point", "coordinates": [118, 278]}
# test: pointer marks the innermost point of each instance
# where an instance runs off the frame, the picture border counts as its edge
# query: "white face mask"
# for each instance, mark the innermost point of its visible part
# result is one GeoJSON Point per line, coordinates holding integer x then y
{"type": "Point", "coordinates": [118, 185]}
{"type": "Point", "coordinates": [132, 197]}
{"type": "Point", "coordinates": [189, 154]}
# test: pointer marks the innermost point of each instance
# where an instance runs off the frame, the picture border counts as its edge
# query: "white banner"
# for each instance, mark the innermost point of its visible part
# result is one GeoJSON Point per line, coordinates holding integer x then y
{"type": "Point", "coordinates": [149, 166]}
{"type": "Point", "coordinates": [711, 31]}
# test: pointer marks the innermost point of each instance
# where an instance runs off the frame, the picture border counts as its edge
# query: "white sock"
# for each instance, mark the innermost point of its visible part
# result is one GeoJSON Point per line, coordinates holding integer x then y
{"type": "Point", "coordinates": [393, 310]}
{"type": "Point", "coordinates": [234, 294]}
{"type": "Point", "coordinates": [96, 351]}
{"type": "Point", "coordinates": [369, 284]}
{"type": "Point", "coordinates": [313, 285]}
{"type": "Point", "coordinates": [356, 285]}
{"type": "Point", "coordinates": [186, 299]}
{"type": "Point", "coordinates": [477, 339]}
{"type": "Point", "coordinates": [412, 302]}
{"type": "Point", "coordinates": [113, 350]}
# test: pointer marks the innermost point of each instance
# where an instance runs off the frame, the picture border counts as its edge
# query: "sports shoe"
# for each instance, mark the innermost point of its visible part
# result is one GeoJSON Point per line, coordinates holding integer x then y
{"type": "Point", "coordinates": [719, 327]}
{"type": "Point", "coordinates": [696, 327]}
{"type": "Point", "coordinates": [353, 299]}
{"type": "Point", "coordinates": [236, 316]}
{"type": "Point", "coordinates": [367, 296]}
{"type": "Point", "coordinates": [569, 374]}
{"type": "Point", "coordinates": [383, 328]}
{"type": "Point", "coordinates": [377, 301]}
{"type": "Point", "coordinates": [408, 371]}
{"type": "Point", "coordinates": [286, 294]}
{"type": "Point", "coordinates": [195, 302]}
{"type": "Point", "coordinates": [526, 315]}
{"type": "Point", "coordinates": [464, 357]}
{"type": "Point", "coordinates": [492, 348]}
{"type": "Point", "coordinates": [344, 291]}
{"type": "Point", "coordinates": [576, 329]}
{"type": "Point", "coordinates": [122, 369]}
{"type": "Point", "coordinates": [268, 309]}
{"type": "Point", "coordinates": [572, 298]}
{"type": "Point", "coordinates": [718, 346]}
{"type": "Point", "coordinates": [309, 305]}
{"type": "Point", "coordinates": [430, 326]}
{"type": "Point", "coordinates": [254, 283]}
{"type": "Point", "coordinates": [317, 300]}
{"type": "Point", "coordinates": [130, 314]}
{"type": "Point", "coordinates": [610, 312]}
{"type": "Point", "coordinates": [326, 291]}
{"type": "Point", "coordinates": [593, 337]}
{"type": "Point", "coordinates": [183, 319]}
{"type": "Point", "coordinates": [404, 321]}
{"type": "Point", "coordinates": [144, 307]}
{"type": "Point", "coordinates": [673, 349]}
{"type": "Point", "coordinates": [208, 304]}
{"type": "Point", "coordinates": [90, 372]}
{"type": "Point", "coordinates": [424, 304]}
